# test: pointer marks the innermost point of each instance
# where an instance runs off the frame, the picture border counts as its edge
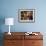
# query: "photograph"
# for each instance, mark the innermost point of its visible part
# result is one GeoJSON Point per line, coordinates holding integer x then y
{"type": "Point", "coordinates": [26, 15]}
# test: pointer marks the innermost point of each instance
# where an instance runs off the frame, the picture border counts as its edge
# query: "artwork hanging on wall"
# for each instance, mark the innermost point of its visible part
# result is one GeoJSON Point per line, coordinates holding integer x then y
{"type": "Point", "coordinates": [26, 15]}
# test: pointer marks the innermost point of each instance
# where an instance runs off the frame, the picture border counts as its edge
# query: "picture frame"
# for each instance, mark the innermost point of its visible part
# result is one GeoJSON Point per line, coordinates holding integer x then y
{"type": "Point", "coordinates": [26, 15]}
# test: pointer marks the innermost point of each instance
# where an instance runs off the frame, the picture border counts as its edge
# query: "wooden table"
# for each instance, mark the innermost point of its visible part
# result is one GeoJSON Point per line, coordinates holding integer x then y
{"type": "Point", "coordinates": [20, 39]}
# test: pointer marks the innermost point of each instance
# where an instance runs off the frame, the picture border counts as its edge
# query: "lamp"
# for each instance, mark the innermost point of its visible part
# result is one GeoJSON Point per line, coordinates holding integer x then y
{"type": "Point", "coordinates": [9, 21]}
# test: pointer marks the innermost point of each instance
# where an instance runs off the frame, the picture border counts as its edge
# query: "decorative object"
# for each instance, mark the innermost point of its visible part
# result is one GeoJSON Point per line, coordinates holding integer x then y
{"type": "Point", "coordinates": [9, 21]}
{"type": "Point", "coordinates": [30, 33]}
{"type": "Point", "coordinates": [26, 15]}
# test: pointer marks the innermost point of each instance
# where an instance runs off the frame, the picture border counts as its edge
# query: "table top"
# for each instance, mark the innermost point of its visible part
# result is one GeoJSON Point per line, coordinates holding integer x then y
{"type": "Point", "coordinates": [22, 35]}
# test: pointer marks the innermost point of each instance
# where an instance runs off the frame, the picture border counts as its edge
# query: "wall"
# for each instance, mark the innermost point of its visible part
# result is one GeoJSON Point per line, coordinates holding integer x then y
{"type": "Point", "coordinates": [9, 8]}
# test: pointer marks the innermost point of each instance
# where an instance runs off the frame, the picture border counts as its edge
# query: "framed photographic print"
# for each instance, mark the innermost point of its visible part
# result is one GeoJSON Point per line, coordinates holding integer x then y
{"type": "Point", "coordinates": [26, 15]}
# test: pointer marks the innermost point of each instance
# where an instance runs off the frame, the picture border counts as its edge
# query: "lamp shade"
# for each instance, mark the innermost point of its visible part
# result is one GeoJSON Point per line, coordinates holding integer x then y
{"type": "Point", "coordinates": [9, 21]}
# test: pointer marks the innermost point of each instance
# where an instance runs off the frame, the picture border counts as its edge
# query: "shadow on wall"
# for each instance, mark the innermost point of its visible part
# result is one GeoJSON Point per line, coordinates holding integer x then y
{"type": "Point", "coordinates": [2, 21]}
